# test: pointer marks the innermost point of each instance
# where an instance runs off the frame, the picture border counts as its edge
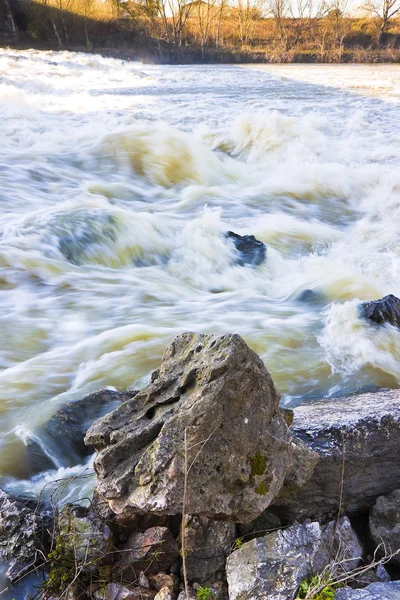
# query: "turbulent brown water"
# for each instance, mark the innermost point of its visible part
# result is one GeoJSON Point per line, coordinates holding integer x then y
{"type": "Point", "coordinates": [117, 184]}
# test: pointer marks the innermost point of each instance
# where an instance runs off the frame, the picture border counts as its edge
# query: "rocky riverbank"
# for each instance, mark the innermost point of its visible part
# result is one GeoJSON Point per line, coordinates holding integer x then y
{"type": "Point", "coordinates": [207, 488]}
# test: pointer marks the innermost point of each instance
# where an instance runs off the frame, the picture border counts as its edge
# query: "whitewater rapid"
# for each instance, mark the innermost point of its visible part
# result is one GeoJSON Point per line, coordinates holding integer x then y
{"type": "Point", "coordinates": [118, 181]}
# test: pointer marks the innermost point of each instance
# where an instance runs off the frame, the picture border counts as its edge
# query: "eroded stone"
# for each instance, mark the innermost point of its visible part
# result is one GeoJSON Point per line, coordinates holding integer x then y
{"type": "Point", "coordinates": [219, 392]}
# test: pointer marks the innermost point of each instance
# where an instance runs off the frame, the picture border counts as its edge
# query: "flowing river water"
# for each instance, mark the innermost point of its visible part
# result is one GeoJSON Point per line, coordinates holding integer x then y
{"type": "Point", "coordinates": [118, 181]}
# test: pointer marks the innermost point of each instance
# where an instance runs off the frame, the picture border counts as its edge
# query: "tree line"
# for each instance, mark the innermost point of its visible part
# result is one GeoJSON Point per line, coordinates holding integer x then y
{"type": "Point", "coordinates": [226, 30]}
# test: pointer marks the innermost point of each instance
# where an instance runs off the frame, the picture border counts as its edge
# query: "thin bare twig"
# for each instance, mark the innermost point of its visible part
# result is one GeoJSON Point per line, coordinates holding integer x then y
{"type": "Point", "coordinates": [183, 526]}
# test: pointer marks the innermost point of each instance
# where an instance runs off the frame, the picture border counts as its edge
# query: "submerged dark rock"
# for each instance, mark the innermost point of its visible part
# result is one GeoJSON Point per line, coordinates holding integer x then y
{"type": "Point", "coordinates": [80, 231]}
{"type": "Point", "coordinates": [359, 434]}
{"type": "Point", "coordinates": [64, 433]}
{"type": "Point", "coordinates": [385, 310]}
{"type": "Point", "coordinates": [309, 296]}
{"type": "Point", "coordinates": [37, 460]}
{"type": "Point", "coordinates": [217, 390]}
{"type": "Point", "coordinates": [250, 250]}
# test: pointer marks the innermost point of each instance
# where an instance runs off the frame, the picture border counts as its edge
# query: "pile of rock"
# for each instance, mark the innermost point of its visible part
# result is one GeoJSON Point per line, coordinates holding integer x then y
{"type": "Point", "coordinates": [261, 489]}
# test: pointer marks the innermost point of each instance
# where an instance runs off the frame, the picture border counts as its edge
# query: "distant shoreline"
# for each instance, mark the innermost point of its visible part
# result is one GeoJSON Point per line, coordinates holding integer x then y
{"type": "Point", "coordinates": [231, 57]}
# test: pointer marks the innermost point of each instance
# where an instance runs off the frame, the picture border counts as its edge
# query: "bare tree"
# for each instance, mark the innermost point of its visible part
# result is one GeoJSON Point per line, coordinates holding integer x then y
{"type": "Point", "coordinates": [305, 17]}
{"type": "Point", "coordinates": [279, 11]}
{"type": "Point", "coordinates": [384, 10]}
{"type": "Point", "coordinates": [333, 30]}
{"type": "Point", "coordinates": [219, 19]}
{"type": "Point", "coordinates": [87, 9]}
{"type": "Point", "coordinates": [296, 21]}
{"type": "Point", "coordinates": [247, 13]}
{"type": "Point", "coordinates": [167, 20]}
{"type": "Point", "coordinates": [204, 13]}
{"type": "Point", "coordinates": [10, 19]}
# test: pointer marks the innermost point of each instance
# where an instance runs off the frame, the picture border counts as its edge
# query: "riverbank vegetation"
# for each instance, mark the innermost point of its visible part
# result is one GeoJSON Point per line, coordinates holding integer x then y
{"type": "Point", "coordinates": [208, 30]}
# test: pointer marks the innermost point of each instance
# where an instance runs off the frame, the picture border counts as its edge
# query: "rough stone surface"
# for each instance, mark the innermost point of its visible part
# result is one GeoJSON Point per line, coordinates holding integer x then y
{"type": "Point", "coordinates": [375, 591]}
{"type": "Point", "coordinates": [21, 535]}
{"type": "Point", "coordinates": [385, 310]}
{"type": "Point", "coordinates": [37, 460]}
{"type": "Point", "coordinates": [273, 566]}
{"type": "Point", "coordinates": [115, 591]}
{"type": "Point", "coordinates": [143, 581]}
{"type": "Point", "coordinates": [164, 594]}
{"type": "Point", "coordinates": [161, 580]}
{"type": "Point", "coordinates": [64, 433]}
{"type": "Point", "coordinates": [302, 466]}
{"type": "Point", "coordinates": [363, 429]}
{"type": "Point", "coordinates": [217, 390]}
{"type": "Point", "coordinates": [151, 552]}
{"type": "Point", "coordinates": [250, 251]}
{"type": "Point", "coordinates": [377, 574]}
{"type": "Point", "coordinates": [264, 524]}
{"type": "Point", "coordinates": [384, 523]}
{"type": "Point", "coordinates": [85, 532]}
{"type": "Point", "coordinates": [207, 544]}
{"type": "Point", "coordinates": [192, 594]}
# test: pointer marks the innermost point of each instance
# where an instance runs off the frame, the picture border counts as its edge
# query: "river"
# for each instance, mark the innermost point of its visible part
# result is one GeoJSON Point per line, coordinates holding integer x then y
{"type": "Point", "coordinates": [118, 181]}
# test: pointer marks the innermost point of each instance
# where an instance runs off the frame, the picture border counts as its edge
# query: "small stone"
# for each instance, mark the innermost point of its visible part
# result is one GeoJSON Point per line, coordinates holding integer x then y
{"type": "Point", "coordinates": [115, 591]}
{"type": "Point", "coordinates": [152, 551]}
{"type": "Point", "coordinates": [160, 580]}
{"type": "Point", "coordinates": [192, 594]}
{"type": "Point", "coordinates": [164, 594]}
{"type": "Point", "coordinates": [143, 581]}
{"type": "Point", "coordinates": [385, 310]}
{"type": "Point", "coordinates": [250, 251]}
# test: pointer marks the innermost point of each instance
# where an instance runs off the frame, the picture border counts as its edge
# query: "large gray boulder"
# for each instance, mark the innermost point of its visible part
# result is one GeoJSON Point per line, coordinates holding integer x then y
{"type": "Point", "coordinates": [375, 591]}
{"type": "Point", "coordinates": [274, 566]}
{"type": "Point", "coordinates": [22, 536]}
{"type": "Point", "coordinates": [384, 523]}
{"type": "Point", "coordinates": [217, 390]}
{"type": "Point", "coordinates": [359, 433]}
